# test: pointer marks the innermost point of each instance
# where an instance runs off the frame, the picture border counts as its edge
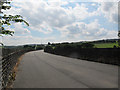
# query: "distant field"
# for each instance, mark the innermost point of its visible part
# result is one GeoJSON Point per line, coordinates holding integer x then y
{"type": "Point", "coordinates": [106, 45]}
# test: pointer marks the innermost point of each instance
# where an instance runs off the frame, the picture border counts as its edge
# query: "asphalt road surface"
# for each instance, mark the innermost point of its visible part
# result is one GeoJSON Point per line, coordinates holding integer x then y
{"type": "Point", "coordinates": [42, 70]}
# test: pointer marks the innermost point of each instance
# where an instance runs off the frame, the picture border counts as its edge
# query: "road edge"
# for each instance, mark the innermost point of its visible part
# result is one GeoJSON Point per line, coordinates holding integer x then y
{"type": "Point", "coordinates": [14, 72]}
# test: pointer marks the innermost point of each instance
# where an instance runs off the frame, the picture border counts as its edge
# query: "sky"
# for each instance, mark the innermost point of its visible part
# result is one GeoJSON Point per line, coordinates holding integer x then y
{"type": "Point", "coordinates": [63, 21]}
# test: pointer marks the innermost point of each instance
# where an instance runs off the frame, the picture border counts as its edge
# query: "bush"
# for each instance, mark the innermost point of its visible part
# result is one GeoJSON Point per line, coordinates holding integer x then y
{"type": "Point", "coordinates": [87, 45]}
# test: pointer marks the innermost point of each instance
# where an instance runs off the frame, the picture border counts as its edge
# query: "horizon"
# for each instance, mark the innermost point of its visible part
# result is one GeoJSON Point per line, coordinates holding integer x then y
{"type": "Point", "coordinates": [60, 42]}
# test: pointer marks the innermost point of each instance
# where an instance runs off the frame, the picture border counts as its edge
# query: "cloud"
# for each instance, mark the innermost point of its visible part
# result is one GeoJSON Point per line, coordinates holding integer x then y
{"type": "Point", "coordinates": [57, 3]}
{"type": "Point", "coordinates": [67, 1]}
{"type": "Point", "coordinates": [81, 12]}
{"type": "Point", "coordinates": [44, 28]}
{"type": "Point", "coordinates": [93, 4]}
{"type": "Point", "coordinates": [20, 29]}
{"type": "Point", "coordinates": [92, 30]}
{"type": "Point", "coordinates": [110, 11]}
{"type": "Point", "coordinates": [28, 39]}
{"type": "Point", "coordinates": [45, 17]}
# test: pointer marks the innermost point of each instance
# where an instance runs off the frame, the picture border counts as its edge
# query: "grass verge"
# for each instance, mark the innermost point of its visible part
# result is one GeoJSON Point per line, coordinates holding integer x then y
{"type": "Point", "coordinates": [14, 72]}
{"type": "Point", "coordinates": [106, 45]}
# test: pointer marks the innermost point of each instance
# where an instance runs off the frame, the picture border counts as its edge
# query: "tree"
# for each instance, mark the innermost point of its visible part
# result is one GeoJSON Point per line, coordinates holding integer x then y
{"type": "Point", "coordinates": [87, 45]}
{"type": "Point", "coordinates": [7, 19]}
{"type": "Point", "coordinates": [49, 43]}
{"type": "Point", "coordinates": [114, 46]}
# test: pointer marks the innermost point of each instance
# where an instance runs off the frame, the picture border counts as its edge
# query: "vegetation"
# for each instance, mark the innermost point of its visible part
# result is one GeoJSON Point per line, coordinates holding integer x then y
{"type": "Point", "coordinates": [7, 19]}
{"type": "Point", "coordinates": [104, 51]}
{"type": "Point", "coordinates": [35, 47]}
{"type": "Point", "coordinates": [110, 43]}
{"type": "Point", "coordinates": [106, 45]}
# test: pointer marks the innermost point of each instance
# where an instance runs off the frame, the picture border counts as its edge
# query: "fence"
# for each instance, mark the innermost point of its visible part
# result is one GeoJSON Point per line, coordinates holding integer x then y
{"type": "Point", "coordinates": [102, 55]}
{"type": "Point", "coordinates": [8, 61]}
{"type": "Point", "coordinates": [0, 67]}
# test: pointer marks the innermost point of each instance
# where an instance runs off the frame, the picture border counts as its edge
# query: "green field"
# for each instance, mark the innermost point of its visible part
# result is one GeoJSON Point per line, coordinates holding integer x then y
{"type": "Point", "coordinates": [106, 45]}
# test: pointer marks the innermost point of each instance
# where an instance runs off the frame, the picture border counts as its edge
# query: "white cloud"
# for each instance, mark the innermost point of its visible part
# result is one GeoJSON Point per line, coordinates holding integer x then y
{"type": "Point", "coordinates": [44, 28]}
{"type": "Point", "coordinates": [93, 4]}
{"type": "Point", "coordinates": [43, 17]}
{"type": "Point", "coordinates": [110, 11]}
{"type": "Point", "coordinates": [90, 31]}
{"type": "Point", "coordinates": [20, 29]}
{"type": "Point", "coordinates": [81, 12]}
{"type": "Point", "coordinates": [67, 0]}
{"type": "Point", "coordinates": [22, 40]}
{"type": "Point", "coordinates": [46, 16]}
{"type": "Point", "coordinates": [57, 3]}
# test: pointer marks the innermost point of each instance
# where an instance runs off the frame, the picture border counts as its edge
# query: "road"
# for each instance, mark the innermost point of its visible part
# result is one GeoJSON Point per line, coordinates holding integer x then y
{"type": "Point", "coordinates": [42, 70]}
